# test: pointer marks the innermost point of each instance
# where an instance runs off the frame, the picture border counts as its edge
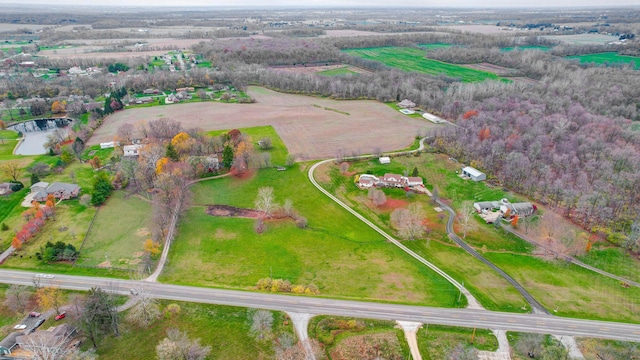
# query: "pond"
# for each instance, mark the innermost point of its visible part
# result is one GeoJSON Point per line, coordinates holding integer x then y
{"type": "Point", "coordinates": [33, 143]}
{"type": "Point", "coordinates": [36, 133]}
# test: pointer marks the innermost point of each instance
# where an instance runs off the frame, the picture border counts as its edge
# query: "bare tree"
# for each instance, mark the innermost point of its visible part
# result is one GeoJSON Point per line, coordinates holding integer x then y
{"type": "Point", "coordinates": [461, 352]}
{"type": "Point", "coordinates": [125, 133]}
{"type": "Point", "coordinates": [17, 298]}
{"type": "Point", "coordinates": [465, 217]}
{"type": "Point", "coordinates": [265, 202]}
{"type": "Point", "coordinates": [261, 324]}
{"type": "Point", "coordinates": [45, 346]}
{"type": "Point", "coordinates": [265, 143]}
{"type": "Point", "coordinates": [288, 207]}
{"type": "Point", "coordinates": [11, 169]}
{"type": "Point", "coordinates": [377, 196]}
{"type": "Point", "coordinates": [344, 168]}
{"type": "Point", "coordinates": [298, 351]}
{"type": "Point", "coordinates": [146, 310]}
{"type": "Point", "coordinates": [177, 345]}
{"type": "Point", "coordinates": [530, 344]}
{"type": "Point", "coordinates": [409, 222]}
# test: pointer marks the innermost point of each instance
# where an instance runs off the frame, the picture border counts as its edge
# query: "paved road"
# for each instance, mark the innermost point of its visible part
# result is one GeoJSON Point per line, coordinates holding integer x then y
{"type": "Point", "coordinates": [302, 304]}
{"type": "Point", "coordinates": [535, 305]}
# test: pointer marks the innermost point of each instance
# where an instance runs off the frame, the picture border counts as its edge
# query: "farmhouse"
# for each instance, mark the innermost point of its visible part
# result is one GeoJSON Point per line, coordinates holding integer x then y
{"type": "Point", "coordinates": [474, 174]}
{"type": "Point", "coordinates": [393, 180]}
{"type": "Point", "coordinates": [385, 160]}
{"type": "Point", "coordinates": [60, 190]}
{"type": "Point", "coordinates": [366, 181]}
{"type": "Point", "coordinates": [131, 150]}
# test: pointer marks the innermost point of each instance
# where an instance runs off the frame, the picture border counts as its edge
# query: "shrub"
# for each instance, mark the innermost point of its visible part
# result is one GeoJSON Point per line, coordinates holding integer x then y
{"type": "Point", "coordinates": [16, 186]}
{"type": "Point", "coordinates": [4, 227]}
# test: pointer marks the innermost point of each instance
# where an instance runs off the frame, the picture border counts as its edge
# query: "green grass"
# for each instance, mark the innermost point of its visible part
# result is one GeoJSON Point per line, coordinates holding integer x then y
{"type": "Point", "coordinates": [435, 46]}
{"type": "Point", "coordinates": [226, 329]}
{"type": "Point", "coordinates": [278, 150]}
{"type": "Point", "coordinates": [333, 250]}
{"type": "Point", "coordinates": [7, 204]}
{"type": "Point", "coordinates": [332, 330]}
{"type": "Point", "coordinates": [607, 58]}
{"type": "Point", "coordinates": [526, 47]}
{"type": "Point", "coordinates": [343, 71]}
{"type": "Point", "coordinates": [158, 63]}
{"type": "Point", "coordinates": [413, 60]}
{"type": "Point", "coordinates": [613, 260]}
{"type": "Point", "coordinates": [203, 64]}
{"type": "Point", "coordinates": [437, 341]}
{"type": "Point", "coordinates": [571, 290]}
{"type": "Point", "coordinates": [119, 243]}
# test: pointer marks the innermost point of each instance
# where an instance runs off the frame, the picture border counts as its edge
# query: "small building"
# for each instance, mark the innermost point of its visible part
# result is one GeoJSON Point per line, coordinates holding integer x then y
{"type": "Point", "coordinates": [131, 150]}
{"type": "Point", "coordinates": [433, 118]}
{"type": "Point", "coordinates": [366, 181]}
{"type": "Point", "coordinates": [474, 174]}
{"type": "Point", "coordinates": [384, 160]}
{"type": "Point", "coordinates": [109, 145]}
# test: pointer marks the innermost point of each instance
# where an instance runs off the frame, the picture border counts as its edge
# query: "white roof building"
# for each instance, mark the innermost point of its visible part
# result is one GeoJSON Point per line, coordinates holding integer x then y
{"type": "Point", "coordinates": [385, 160]}
{"type": "Point", "coordinates": [474, 174]}
{"type": "Point", "coordinates": [131, 150]}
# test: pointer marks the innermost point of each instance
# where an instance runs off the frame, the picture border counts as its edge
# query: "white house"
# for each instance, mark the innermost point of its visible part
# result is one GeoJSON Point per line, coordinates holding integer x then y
{"type": "Point", "coordinates": [132, 150]}
{"type": "Point", "coordinates": [474, 174]}
{"type": "Point", "coordinates": [393, 180]}
{"type": "Point", "coordinates": [413, 181]}
{"type": "Point", "coordinates": [385, 160]}
{"type": "Point", "coordinates": [367, 180]}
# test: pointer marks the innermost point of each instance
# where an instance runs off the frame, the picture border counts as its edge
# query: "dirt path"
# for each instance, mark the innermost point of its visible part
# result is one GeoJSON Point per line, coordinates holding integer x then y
{"type": "Point", "coordinates": [410, 333]}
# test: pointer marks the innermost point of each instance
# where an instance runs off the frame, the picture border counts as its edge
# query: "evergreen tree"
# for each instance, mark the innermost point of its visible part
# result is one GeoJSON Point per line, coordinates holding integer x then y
{"type": "Point", "coordinates": [172, 154]}
{"type": "Point", "coordinates": [34, 179]}
{"type": "Point", "coordinates": [227, 156]}
{"type": "Point", "coordinates": [107, 106]}
{"type": "Point", "coordinates": [101, 188]}
{"type": "Point", "coordinates": [414, 173]}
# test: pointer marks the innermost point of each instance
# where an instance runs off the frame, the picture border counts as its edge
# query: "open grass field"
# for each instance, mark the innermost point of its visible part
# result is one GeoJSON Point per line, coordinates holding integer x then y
{"type": "Point", "coordinates": [526, 47]}
{"type": "Point", "coordinates": [571, 290]}
{"type": "Point", "coordinates": [614, 260]}
{"type": "Point", "coordinates": [409, 59]}
{"type": "Point", "coordinates": [122, 245]}
{"type": "Point", "coordinates": [333, 250]}
{"type": "Point", "coordinates": [583, 39]}
{"type": "Point", "coordinates": [435, 46]}
{"type": "Point", "coordinates": [343, 71]}
{"type": "Point", "coordinates": [226, 329]}
{"type": "Point", "coordinates": [278, 150]}
{"type": "Point", "coordinates": [325, 70]}
{"type": "Point", "coordinates": [607, 58]}
{"type": "Point", "coordinates": [436, 341]}
{"type": "Point", "coordinates": [310, 127]}
{"type": "Point", "coordinates": [496, 69]}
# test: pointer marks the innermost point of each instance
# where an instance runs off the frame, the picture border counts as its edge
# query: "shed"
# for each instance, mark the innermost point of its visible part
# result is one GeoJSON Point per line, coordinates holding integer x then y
{"type": "Point", "coordinates": [385, 160]}
{"type": "Point", "coordinates": [474, 174]}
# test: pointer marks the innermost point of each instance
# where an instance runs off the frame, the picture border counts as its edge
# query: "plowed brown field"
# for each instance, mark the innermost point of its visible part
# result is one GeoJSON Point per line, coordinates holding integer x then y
{"type": "Point", "coordinates": [311, 127]}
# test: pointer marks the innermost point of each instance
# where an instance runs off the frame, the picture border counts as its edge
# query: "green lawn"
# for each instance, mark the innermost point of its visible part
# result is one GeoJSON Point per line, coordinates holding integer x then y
{"type": "Point", "coordinates": [343, 71]}
{"type": "Point", "coordinates": [607, 58]}
{"type": "Point", "coordinates": [333, 250]}
{"type": "Point", "coordinates": [435, 46]}
{"type": "Point", "coordinates": [413, 60]}
{"type": "Point", "coordinates": [122, 244]}
{"type": "Point", "coordinates": [526, 47]}
{"type": "Point", "coordinates": [437, 341]}
{"type": "Point", "coordinates": [614, 260]}
{"type": "Point", "coordinates": [571, 290]}
{"type": "Point", "coordinates": [226, 329]}
{"type": "Point", "coordinates": [278, 150]}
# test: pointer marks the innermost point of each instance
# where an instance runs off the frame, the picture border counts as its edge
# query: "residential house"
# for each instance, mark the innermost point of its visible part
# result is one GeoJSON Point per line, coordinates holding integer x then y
{"type": "Point", "coordinates": [393, 180]}
{"type": "Point", "coordinates": [63, 191]}
{"type": "Point", "coordinates": [131, 150]}
{"type": "Point", "coordinates": [413, 181]}
{"type": "Point", "coordinates": [151, 91]}
{"type": "Point", "coordinates": [186, 89]}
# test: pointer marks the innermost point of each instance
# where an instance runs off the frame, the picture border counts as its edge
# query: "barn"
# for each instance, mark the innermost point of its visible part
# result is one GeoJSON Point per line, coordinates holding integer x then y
{"type": "Point", "coordinates": [474, 174]}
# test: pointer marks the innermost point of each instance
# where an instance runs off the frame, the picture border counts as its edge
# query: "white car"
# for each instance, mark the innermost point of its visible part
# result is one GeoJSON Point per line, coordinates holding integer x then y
{"type": "Point", "coordinates": [45, 276]}
{"type": "Point", "coordinates": [20, 327]}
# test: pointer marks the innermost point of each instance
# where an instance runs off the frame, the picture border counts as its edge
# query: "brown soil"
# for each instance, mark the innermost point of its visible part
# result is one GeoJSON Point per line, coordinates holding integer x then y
{"type": "Point", "coordinates": [393, 204]}
{"type": "Point", "coordinates": [231, 211]}
{"type": "Point", "coordinates": [309, 132]}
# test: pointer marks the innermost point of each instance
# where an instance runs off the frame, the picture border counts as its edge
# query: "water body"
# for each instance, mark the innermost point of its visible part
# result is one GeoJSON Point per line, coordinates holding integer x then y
{"type": "Point", "coordinates": [36, 132]}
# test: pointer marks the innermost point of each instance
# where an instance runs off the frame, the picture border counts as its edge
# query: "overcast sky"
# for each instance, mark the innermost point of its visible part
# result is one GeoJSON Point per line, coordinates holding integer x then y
{"type": "Point", "coordinates": [342, 3]}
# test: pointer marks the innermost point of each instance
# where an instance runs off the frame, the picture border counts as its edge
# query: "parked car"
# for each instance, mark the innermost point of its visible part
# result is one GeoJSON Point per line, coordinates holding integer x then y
{"type": "Point", "coordinates": [60, 316]}
{"type": "Point", "coordinates": [34, 314]}
{"type": "Point", "coordinates": [133, 292]}
{"type": "Point", "coordinates": [37, 325]}
{"type": "Point", "coordinates": [20, 327]}
{"type": "Point", "coordinates": [45, 276]}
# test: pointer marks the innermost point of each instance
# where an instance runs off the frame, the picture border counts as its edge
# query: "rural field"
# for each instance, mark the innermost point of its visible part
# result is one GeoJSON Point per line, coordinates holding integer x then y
{"type": "Point", "coordinates": [311, 128]}
{"type": "Point", "coordinates": [582, 39]}
{"type": "Point", "coordinates": [327, 70]}
{"type": "Point", "coordinates": [409, 59]}
{"type": "Point", "coordinates": [608, 58]}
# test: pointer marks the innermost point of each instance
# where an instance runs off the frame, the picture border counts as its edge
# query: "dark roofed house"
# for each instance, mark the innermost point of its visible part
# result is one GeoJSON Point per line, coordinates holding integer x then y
{"type": "Point", "coordinates": [59, 190]}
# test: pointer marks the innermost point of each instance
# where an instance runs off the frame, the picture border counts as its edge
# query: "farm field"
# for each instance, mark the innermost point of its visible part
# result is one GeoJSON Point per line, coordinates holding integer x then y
{"type": "Point", "coordinates": [311, 127]}
{"type": "Point", "coordinates": [607, 58]}
{"type": "Point", "coordinates": [226, 329]}
{"type": "Point", "coordinates": [435, 46]}
{"type": "Point", "coordinates": [526, 47]}
{"type": "Point", "coordinates": [496, 69]}
{"type": "Point", "coordinates": [327, 70]}
{"type": "Point", "coordinates": [582, 39]}
{"type": "Point", "coordinates": [409, 59]}
{"type": "Point", "coordinates": [118, 246]}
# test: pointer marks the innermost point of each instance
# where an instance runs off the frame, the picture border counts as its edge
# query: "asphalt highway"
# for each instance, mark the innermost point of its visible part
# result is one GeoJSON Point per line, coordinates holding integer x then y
{"type": "Point", "coordinates": [539, 323]}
